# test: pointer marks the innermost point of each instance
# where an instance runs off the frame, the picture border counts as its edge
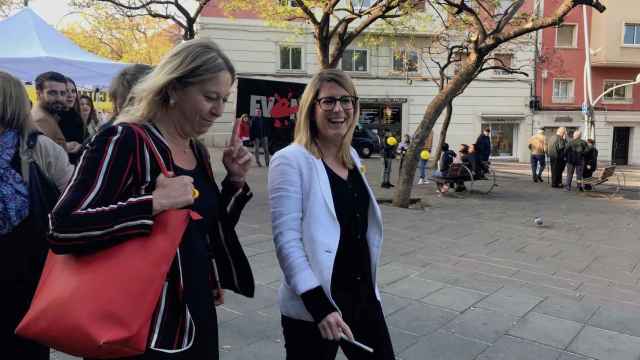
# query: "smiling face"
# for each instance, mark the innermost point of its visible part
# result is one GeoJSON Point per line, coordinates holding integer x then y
{"type": "Point", "coordinates": [333, 124]}
{"type": "Point", "coordinates": [201, 104]}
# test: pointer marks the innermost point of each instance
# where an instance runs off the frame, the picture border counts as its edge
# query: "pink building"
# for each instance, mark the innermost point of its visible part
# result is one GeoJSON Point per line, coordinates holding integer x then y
{"type": "Point", "coordinates": [559, 83]}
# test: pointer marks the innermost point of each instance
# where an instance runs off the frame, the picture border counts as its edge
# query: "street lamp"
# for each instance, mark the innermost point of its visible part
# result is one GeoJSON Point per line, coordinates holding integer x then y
{"type": "Point", "coordinates": [588, 109]}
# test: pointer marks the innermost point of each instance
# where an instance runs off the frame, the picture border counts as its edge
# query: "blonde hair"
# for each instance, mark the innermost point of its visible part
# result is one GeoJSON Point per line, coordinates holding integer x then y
{"type": "Point", "coordinates": [306, 131]}
{"type": "Point", "coordinates": [15, 109]}
{"type": "Point", "coordinates": [185, 65]}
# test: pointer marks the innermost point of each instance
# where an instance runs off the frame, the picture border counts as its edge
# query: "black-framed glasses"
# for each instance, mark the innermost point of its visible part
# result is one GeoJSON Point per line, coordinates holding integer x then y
{"type": "Point", "coordinates": [328, 103]}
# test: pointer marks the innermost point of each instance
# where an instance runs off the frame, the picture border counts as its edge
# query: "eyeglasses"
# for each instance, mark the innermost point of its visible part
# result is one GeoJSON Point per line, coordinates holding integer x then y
{"type": "Point", "coordinates": [328, 103]}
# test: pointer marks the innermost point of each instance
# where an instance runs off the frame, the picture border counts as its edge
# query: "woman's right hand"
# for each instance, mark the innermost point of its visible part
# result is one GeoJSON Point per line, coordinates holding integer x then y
{"type": "Point", "coordinates": [332, 326]}
{"type": "Point", "coordinates": [172, 193]}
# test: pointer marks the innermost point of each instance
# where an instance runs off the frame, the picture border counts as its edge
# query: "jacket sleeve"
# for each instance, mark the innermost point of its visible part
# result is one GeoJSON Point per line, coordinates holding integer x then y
{"type": "Point", "coordinates": [92, 213]}
{"type": "Point", "coordinates": [285, 197]}
{"type": "Point", "coordinates": [54, 161]}
{"type": "Point", "coordinates": [51, 130]}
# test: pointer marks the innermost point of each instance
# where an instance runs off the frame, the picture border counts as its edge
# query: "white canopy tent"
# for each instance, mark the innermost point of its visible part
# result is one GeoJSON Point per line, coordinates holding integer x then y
{"type": "Point", "coordinates": [30, 47]}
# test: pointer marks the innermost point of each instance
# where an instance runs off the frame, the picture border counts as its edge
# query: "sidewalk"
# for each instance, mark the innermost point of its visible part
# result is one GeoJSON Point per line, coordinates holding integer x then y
{"type": "Point", "coordinates": [470, 277]}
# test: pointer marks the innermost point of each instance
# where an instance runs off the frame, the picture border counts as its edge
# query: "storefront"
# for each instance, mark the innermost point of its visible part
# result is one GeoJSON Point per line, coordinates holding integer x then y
{"type": "Point", "coordinates": [504, 134]}
{"type": "Point", "coordinates": [382, 114]}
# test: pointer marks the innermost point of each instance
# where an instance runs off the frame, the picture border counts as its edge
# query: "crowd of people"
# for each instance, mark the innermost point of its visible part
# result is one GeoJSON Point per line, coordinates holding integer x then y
{"type": "Point", "coordinates": [112, 180]}
{"type": "Point", "coordinates": [579, 157]}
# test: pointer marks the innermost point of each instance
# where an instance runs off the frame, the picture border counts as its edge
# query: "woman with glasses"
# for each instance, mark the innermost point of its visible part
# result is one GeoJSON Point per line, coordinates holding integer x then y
{"type": "Point", "coordinates": [327, 231]}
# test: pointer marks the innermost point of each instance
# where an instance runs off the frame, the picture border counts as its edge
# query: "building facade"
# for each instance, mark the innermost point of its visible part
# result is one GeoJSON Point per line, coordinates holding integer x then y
{"type": "Point", "coordinates": [560, 81]}
{"type": "Point", "coordinates": [394, 83]}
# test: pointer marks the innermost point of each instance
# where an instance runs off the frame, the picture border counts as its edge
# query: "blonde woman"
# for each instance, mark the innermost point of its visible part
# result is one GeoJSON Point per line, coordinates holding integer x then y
{"type": "Point", "coordinates": [327, 231]}
{"type": "Point", "coordinates": [118, 189]}
{"type": "Point", "coordinates": [24, 242]}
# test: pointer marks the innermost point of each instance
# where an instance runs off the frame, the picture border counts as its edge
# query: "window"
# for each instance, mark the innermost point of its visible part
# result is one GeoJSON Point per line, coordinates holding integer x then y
{"type": "Point", "coordinates": [562, 91]}
{"type": "Point", "coordinates": [291, 3]}
{"type": "Point", "coordinates": [619, 94]}
{"type": "Point", "coordinates": [354, 60]}
{"type": "Point", "coordinates": [566, 36]}
{"type": "Point", "coordinates": [405, 60]}
{"type": "Point", "coordinates": [632, 34]}
{"type": "Point", "coordinates": [290, 58]}
{"type": "Point", "coordinates": [503, 135]}
{"type": "Point", "coordinates": [504, 60]}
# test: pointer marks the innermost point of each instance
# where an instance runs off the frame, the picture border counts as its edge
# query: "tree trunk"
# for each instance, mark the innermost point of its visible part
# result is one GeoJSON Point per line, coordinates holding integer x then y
{"type": "Point", "coordinates": [433, 111]}
{"type": "Point", "coordinates": [443, 134]}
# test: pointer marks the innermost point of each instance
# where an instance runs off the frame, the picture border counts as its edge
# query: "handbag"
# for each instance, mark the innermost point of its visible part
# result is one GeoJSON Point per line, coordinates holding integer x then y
{"type": "Point", "coordinates": [101, 305]}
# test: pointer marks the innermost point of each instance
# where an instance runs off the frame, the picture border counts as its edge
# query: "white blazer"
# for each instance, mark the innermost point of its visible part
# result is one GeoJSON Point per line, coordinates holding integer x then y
{"type": "Point", "coordinates": [306, 231]}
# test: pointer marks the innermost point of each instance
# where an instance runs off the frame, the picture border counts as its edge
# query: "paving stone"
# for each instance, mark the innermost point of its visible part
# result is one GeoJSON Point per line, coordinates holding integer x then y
{"type": "Point", "coordinates": [510, 301]}
{"type": "Point", "coordinates": [443, 346]}
{"type": "Point", "coordinates": [420, 319]}
{"type": "Point", "coordinates": [225, 314]}
{"type": "Point", "coordinates": [272, 349]}
{"type": "Point", "coordinates": [546, 330]}
{"type": "Point", "coordinates": [413, 288]}
{"type": "Point", "coordinates": [546, 280]}
{"type": "Point", "coordinates": [570, 356]}
{"type": "Point", "coordinates": [485, 268]}
{"type": "Point", "coordinates": [267, 275]}
{"type": "Point", "coordinates": [392, 303]}
{"type": "Point", "coordinates": [510, 348]}
{"type": "Point", "coordinates": [264, 297]}
{"type": "Point", "coordinates": [605, 345]}
{"type": "Point", "coordinates": [481, 324]}
{"type": "Point", "coordinates": [393, 272]}
{"type": "Point", "coordinates": [617, 318]}
{"type": "Point", "coordinates": [401, 339]}
{"type": "Point", "coordinates": [454, 298]}
{"type": "Point", "coordinates": [564, 308]}
{"type": "Point", "coordinates": [480, 282]}
{"type": "Point", "coordinates": [247, 329]}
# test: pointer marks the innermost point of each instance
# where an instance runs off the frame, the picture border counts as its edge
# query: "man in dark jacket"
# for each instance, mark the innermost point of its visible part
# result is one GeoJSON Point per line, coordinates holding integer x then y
{"type": "Point", "coordinates": [388, 154]}
{"type": "Point", "coordinates": [590, 161]}
{"type": "Point", "coordinates": [556, 150]}
{"type": "Point", "coordinates": [483, 145]}
{"type": "Point", "coordinates": [575, 160]}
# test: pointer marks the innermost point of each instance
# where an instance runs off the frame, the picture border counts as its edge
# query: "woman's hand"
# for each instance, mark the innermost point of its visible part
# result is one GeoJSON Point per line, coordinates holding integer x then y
{"type": "Point", "coordinates": [236, 158]}
{"type": "Point", "coordinates": [218, 296]}
{"type": "Point", "coordinates": [332, 326]}
{"type": "Point", "coordinates": [172, 193]}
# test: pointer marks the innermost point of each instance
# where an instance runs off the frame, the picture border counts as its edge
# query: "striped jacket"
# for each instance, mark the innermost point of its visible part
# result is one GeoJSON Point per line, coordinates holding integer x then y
{"type": "Point", "coordinates": [108, 200]}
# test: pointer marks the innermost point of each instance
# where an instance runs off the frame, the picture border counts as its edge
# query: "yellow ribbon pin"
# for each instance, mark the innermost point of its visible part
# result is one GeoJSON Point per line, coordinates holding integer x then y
{"type": "Point", "coordinates": [195, 193]}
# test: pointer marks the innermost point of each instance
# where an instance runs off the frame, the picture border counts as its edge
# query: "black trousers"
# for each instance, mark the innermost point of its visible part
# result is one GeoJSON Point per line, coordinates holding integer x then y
{"type": "Point", "coordinates": [303, 340]}
{"type": "Point", "coordinates": [557, 167]}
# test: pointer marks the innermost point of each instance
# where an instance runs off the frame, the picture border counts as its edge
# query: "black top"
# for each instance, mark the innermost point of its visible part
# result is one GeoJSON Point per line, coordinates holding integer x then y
{"type": "Point", "coordinates": [352, 266]}
{"type": "Point", "coordinates": [195, 265]}
{"type": "Point", "coordinates": [73, 130]}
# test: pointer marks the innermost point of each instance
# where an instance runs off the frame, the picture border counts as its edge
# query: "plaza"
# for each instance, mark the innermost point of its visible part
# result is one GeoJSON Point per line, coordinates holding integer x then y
{"type": "Point", "coordinates": [470, 276]}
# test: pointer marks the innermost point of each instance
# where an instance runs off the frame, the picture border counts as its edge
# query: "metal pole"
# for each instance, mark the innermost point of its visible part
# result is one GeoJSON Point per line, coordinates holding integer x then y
{"type": "Point", "coordinates": [589, 98]}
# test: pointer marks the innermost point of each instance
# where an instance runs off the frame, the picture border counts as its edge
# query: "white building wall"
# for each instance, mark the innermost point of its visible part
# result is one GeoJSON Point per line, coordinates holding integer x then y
{"type": "Point", "coordinates": [254, 51]}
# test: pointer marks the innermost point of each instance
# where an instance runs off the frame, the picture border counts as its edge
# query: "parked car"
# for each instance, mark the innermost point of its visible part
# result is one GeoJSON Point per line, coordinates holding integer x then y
{"type": "Point", "coordinates": [365, 141]}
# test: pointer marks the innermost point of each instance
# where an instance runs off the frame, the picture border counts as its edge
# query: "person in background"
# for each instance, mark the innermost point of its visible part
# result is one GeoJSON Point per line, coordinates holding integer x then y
{"type": "Point", "coordinates": [71, 124]}
{"type": "Point", "coordinates": [109, 201]}
{"type": "Point", "coordinates": [244, 129]}
{"type": "Point", "coordinates": [463, 158]}
{"type": "Point", "coordinates": [121, 86]}
{"type": "Point", "coordinates": [556, 148]}
{"type": "Point", "coordinates": [51, 91]}
{"type": "Point", "coordinates": [327, 230]}
{"type": "Point", "coordinates": [537, 146]}
{"type": "Point", "coordinates": [402, 149]}
{"type": "Point", "coordinates": [575, 153]}
{"type": "Point", "coordinates": [24, 242]}
{"type": "Point", "coordinates": [447, 158]}
{"type": "Point", "coordinates": [389, 146]}
{"type": "Point", "coordinates": [590, 161]}
{"type": "Point", "coordinates": [422, 165]}
{"type": "Point", "coordinates": [89, 116]}
{"type": "Point", "coordinates": [483, 145]}
{"type": "Point", "coordinates": [260, 133]}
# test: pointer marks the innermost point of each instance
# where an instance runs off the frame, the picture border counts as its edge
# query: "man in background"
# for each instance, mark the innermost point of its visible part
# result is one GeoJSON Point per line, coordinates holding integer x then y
{"type": "Point", "coordinates": [537, 146]}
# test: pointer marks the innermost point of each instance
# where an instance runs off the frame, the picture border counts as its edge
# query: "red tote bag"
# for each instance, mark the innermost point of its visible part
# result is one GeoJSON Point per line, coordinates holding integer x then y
{"type": "Point", "coordinates": [101, 305]}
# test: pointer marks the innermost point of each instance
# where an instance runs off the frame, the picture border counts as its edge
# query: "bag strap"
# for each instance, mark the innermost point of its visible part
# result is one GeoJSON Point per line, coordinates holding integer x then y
{"type": "Point", "coordinates": [151, 146]}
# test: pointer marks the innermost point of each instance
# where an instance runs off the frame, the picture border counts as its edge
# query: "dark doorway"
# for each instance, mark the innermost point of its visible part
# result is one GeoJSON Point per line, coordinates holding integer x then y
{"type": "Point", "coordinates": [620, 155]}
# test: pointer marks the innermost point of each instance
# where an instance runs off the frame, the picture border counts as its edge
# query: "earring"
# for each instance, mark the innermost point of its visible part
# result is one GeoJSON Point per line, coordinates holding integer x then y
{"type": "Point", "coordinates": [172, 102]}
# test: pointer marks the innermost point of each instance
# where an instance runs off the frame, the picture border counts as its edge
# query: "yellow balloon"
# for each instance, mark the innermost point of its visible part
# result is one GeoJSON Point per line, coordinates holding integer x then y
{"type": "Point", "coordinates": [424, 155]}
{"type": "Point", "coordinates": [391, 141]}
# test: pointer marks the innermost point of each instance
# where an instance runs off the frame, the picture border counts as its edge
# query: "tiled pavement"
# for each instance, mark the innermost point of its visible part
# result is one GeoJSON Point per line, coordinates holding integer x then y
{"type": "Point", "coordinates": [471, 277]}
